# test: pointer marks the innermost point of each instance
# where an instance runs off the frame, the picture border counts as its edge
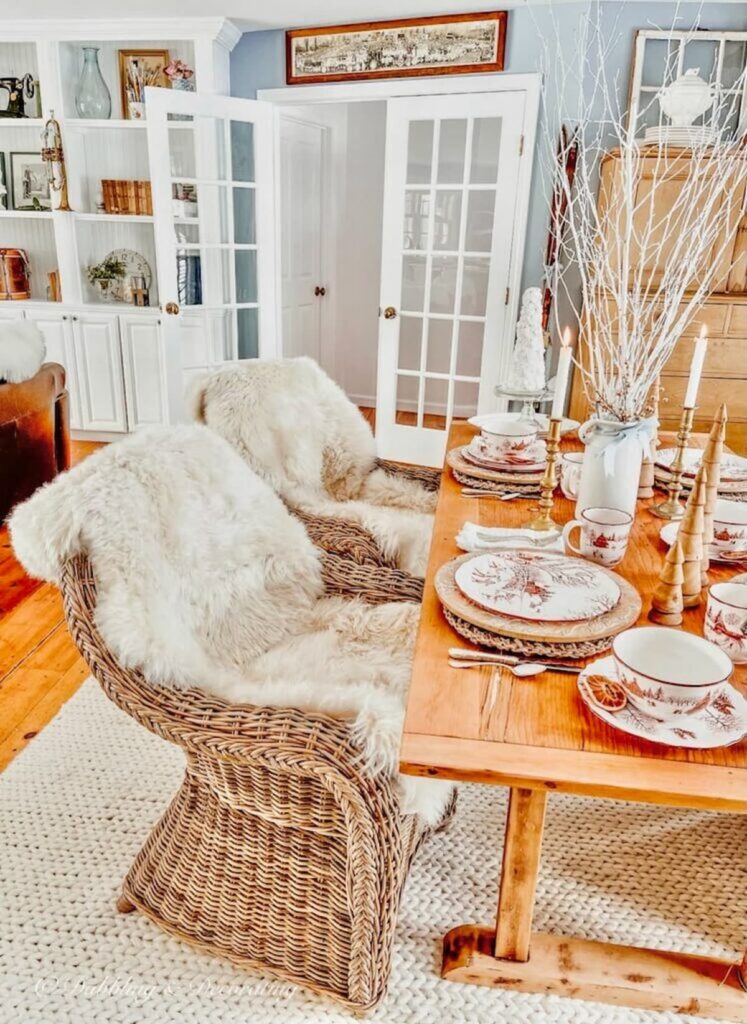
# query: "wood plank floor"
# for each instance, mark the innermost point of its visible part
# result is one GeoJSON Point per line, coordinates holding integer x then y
{"type": "Point", "coordinates": [40, 667]}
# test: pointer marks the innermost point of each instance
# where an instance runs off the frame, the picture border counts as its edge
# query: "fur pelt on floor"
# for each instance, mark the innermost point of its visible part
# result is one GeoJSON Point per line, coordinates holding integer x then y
{"type": "Point", "coordinates": [22, 350]}
{"type": "Point", "coordinates": [205, 579]}
{"type": "Point", "coordinates": [298, 430]}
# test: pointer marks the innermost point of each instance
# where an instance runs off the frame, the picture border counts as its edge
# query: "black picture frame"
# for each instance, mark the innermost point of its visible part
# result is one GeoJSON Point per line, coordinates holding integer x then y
{"type": "Point", "coordinates": [43, 195]}
{"type": "Point", "coordinates": [4, 199]}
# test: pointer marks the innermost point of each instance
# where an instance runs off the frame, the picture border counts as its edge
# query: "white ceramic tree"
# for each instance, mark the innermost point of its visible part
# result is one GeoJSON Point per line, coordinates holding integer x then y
{"type": "Point", "coordinates": [527, 373]}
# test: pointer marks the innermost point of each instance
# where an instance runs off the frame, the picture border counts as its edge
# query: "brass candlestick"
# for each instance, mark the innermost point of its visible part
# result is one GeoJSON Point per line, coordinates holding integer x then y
{"type": "Point", "coordinates": [544, 520]}
{"type": "Point", "coordinates": [671, 508]}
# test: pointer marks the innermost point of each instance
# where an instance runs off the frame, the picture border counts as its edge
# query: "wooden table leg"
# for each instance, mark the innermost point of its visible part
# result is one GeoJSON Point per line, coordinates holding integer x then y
{"type": "Point", "coordinates": [525, 822]}
{"type": "Point", "coordinates": [579, 968]}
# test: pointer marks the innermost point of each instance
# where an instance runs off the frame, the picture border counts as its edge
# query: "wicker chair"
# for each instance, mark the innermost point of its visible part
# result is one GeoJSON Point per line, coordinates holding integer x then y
{"type": "Point", "coordinates": [276, 852]}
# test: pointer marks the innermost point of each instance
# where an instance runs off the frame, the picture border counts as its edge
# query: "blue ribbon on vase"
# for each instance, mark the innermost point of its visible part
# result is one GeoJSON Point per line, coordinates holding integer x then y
{"type": "Point", "coordinates": [640, 433]}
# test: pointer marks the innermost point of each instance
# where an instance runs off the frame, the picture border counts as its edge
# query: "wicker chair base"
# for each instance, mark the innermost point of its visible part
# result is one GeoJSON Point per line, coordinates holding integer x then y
{"type": "Point", "coordinates": [493, 487]}
{"type": "Point", "coordinates": [513, 645]}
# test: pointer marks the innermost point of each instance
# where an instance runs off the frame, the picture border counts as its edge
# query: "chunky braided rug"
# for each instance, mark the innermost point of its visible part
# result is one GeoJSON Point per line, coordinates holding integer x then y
{"type": "Point", "coordinates": [76, 805]}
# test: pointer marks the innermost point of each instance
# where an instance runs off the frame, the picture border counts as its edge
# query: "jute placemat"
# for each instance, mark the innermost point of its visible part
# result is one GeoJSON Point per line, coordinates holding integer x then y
{"type": "Point", "coordinates": [513, 645]}
{"type": "Point", "coordinates": [494, 486]}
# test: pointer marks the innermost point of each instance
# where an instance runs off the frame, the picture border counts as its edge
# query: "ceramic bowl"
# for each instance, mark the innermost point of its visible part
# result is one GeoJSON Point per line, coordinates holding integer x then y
{"type": "Point", "coordinates": [668, 673]}
{"type": "Point", "coordinates": [730, 526]}
{"type": "Point", "coordinates": [726, 619]}
{"type": "Point", "coordinates": [510, 440]}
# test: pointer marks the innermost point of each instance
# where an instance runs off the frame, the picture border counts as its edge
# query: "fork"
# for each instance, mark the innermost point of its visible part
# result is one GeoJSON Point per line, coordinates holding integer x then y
{"type": "Point", "coordinates": [518, 540]}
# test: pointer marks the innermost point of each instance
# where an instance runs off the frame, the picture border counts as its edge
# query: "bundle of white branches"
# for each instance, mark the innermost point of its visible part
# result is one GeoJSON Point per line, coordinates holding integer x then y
{"type": "Point", "coordinates": [633, 271]}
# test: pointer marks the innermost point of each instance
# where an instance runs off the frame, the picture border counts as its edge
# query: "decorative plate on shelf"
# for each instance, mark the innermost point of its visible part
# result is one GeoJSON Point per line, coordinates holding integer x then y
{"type": "Point", "coordinates": [733, 467]}
{"type": "Point", "coordinates": [721, 724]}
{"type": "Point", "coordinates": [136, 265]}
{"type": "Point", "coordinates": [624, 614]}
{"type": "Point", "coordinates": [538, 586]}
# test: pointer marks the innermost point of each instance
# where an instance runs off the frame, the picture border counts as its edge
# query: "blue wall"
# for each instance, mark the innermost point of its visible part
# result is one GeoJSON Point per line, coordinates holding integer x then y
{"type": "Point", "coordinates": [258, 62]}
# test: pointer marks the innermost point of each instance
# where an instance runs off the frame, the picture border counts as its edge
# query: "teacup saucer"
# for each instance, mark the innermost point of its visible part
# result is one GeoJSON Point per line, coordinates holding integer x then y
{"type": "Point", "coordinates": [668, 534]}
{"type": "Point", "coordinates": [721, 724]}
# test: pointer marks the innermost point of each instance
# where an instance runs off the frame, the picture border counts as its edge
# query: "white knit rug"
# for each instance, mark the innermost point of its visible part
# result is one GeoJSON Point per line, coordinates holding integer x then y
{"type": "Point", "coordinates": [76, 805]}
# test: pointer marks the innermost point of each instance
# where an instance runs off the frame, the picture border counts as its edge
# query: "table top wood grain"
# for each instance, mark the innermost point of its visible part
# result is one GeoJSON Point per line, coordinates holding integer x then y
{"type": "Point", "coordinates": [484, 725]}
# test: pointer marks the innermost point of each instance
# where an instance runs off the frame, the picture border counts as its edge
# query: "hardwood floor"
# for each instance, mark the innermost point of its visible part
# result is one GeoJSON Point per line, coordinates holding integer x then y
{"type": "Point", "coordinates": [39, 666]}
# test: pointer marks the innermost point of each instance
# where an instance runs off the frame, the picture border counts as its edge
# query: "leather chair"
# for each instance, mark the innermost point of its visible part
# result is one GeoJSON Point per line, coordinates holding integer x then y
{"type": "Point", "coordinates": [34, 434]}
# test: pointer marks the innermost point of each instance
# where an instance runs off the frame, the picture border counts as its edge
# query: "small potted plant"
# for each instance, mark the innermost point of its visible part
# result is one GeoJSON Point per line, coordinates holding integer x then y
{"type": "Point", "coordinates": [180, 75]}
{"type": "Point", "coordinates": [103, 275]}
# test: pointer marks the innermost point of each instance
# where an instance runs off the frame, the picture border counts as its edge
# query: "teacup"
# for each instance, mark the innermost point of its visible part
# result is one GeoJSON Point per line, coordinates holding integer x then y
{"type": "Point", "coordinates": [604, 534]}
{"type": "Point", "coordinates": [570, 473]}
{"type": "Point", "coordinates": [668, 673]}
{"type": "Point", "coordinates": [513, 440]}
{"type": "Point", "coordinates": [729, 527]}
{"type": "Point", "coordinates": [726, 619]}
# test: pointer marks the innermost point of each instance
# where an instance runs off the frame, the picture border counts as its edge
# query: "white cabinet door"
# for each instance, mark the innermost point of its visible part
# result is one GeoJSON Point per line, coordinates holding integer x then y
{"type": "Point", "coordinates": [10, 311]}
{"type": "Point", "coordinates": [99, 362]}
{"type": "Point", "coordinates": [57, 331]}
{"type": "Point", "coordinates": [144, 372]}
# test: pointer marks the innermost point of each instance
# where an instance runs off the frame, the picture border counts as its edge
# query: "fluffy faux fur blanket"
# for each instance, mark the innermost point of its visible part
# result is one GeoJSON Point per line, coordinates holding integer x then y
{"type": "Point", "coordinates": [204, 579]}
{"type": "Point", "coordinates": [22, 350]}
{"type": "Point", "coordinates": [298, 430]}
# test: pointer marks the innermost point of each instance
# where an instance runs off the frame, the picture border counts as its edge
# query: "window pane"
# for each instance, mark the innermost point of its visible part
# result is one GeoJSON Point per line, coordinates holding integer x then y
{"type": "Point", "coordinates": [212, 203]}
{"type": "Point", "coordinates": [245, 262]}
{"type": "Point", "coordinates": [407, 393]}
{"type": "Point", "coordinates": [417, 211]}
{"type": "Point", "coordinates": [244, 225]}
{"type": "Point", "coordinates": [410, 342]}
{"type": "Point", "coordinates": [419, 152]}
{"type": "Point", "coordinates": [242, 151]}
{"type": "Point", "coordinates": [438, 357]}
{"type": "Point", "coordinates": [210, 147]}
{"type": "Point", "coordinates": [465, 399]}
{"type": "Point", "coordinates": [656, 54]}
{"type": "Point", "coordinates": [187, 232]}
{"type": "Point", "coordinates": [436, 395]}
{"type": "Point", "coordinates": [189, 278]}
{"type": "Point", "coordinates": [216, 276]}
{"type": "Point", "coordinates": [480, 210]}
{"type": "Point", "coordinates": [475, 286]}
{"type": "Point", "coordinates": [443, 284]}
{"type": "Point", "coordinates": [413, 283]}
{"type": "Point", "coordinates": [735, 58]}
{"type": "Point", "coordinates": [469, 349]}
{"type": "Point", "coordinates": [486, 144]}
{"type": "Point", "coordinates": [451, 145]}
{"type": "Point", "coordinates": [446, 220]}
{"type": "Point", "coordinates": [182, 154]}
{"type": "Point", "coordinates": [247, 323]}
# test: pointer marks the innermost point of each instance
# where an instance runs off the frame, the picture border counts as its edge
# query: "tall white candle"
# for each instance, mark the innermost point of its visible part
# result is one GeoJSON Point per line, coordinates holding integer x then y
{"type": "Point", "coordinates": [562, 375]}
{"type": "Point", "coordinates": [696, 368]}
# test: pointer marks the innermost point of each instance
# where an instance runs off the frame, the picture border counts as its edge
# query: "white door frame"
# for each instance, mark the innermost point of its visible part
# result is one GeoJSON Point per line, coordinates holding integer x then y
{"type": "Point", "coordinates": [528, 83]}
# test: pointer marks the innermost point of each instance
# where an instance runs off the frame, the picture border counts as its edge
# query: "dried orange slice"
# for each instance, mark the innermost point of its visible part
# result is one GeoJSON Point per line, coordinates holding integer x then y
{"type": "Point", "coordinates": [606, 693]}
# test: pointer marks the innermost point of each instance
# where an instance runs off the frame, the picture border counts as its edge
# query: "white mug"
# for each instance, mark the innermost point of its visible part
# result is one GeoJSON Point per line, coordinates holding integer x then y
{"type": "Point", "coordinates": [604, 534]}
{"type": "Point", "coordinates": [570, 473]}
{"type": "Point", "coordinates": [726, 619]}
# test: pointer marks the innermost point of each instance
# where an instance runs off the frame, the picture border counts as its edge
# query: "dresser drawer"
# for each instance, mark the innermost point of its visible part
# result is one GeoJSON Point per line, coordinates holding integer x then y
{"type": "Point", "coordinates": [726, 357]}
{"type": "Point", "coordinates": [737, 326]}
{"type": "Point", "coordinates": [711, 393]}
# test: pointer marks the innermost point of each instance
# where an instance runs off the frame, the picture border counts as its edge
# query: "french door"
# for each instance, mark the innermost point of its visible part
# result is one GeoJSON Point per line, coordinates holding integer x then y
{"type": "Point", "coordinates": [450, 193]}
{"type": "Point", "coordinates": [211, 160]}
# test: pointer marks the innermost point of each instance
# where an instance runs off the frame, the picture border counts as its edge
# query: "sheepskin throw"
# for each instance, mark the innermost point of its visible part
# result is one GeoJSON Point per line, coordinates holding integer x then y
{"type": "Point", "coordinates": [298, 430]}
{"type": "Point", "coordinates": [205, 579]}
{"type": "Point", "coordinates": [22, 350]}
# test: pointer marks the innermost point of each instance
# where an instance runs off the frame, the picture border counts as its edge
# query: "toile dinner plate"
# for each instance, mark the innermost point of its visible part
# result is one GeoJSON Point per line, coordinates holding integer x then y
{"type": "Point", "coordinates": [536, 585]}
{"type": "Point", "coordinates": [511, 466]}
{"type": "Point", "coordinates": [733, 467]}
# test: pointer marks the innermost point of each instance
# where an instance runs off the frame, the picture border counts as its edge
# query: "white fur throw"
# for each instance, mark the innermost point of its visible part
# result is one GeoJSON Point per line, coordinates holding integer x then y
{"type": "Point", "coordinates": [204, 579]}
{"type": "Point", "coordinates": [300, 432]}
{"type": "Point", "coordinates": [22, 350]}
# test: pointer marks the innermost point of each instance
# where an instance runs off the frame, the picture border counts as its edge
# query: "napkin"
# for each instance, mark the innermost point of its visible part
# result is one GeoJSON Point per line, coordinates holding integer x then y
{"type": "Point", "coordinates": [472, 537]}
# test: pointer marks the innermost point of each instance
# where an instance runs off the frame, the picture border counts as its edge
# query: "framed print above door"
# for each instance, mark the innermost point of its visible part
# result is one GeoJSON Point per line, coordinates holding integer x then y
{"type": "Point", "coordinates": [441, 45]}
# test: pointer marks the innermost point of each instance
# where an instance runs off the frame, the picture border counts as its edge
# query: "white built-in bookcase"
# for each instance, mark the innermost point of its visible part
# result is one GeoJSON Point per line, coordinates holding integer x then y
{"type": "Point", "coordinates": [116, 343]}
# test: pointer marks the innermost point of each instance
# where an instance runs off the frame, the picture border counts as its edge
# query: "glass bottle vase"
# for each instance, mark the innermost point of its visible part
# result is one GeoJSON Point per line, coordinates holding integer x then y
{"type": "Point", "coordinates": [92, 97]}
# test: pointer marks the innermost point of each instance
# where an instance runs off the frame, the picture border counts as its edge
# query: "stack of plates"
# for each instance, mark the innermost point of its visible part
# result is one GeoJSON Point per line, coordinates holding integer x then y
{"type": "Point", "coordinates": [484, 477]}
{"type": "Point", "coordinates": [531, 462]}
{"type": "Point", "coordinates": [733, 482]}
{"type": "Point", "coordinates": [677, 135]}
{"type": "Point", "coordinates": [552, 602]}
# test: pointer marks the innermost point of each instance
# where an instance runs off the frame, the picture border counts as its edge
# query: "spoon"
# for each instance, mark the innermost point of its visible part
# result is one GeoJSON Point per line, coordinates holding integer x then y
{"type": "Point", "coordinates": [488, 658]}
{"type": "Point", "coordinates": [527, 668]}
{"type": "Point", "coordinates": [473, 492]}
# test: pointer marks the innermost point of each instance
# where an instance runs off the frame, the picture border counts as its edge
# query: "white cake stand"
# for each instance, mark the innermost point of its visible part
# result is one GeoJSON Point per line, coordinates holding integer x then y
{"type": "Point", "coordinates": [528, 399]}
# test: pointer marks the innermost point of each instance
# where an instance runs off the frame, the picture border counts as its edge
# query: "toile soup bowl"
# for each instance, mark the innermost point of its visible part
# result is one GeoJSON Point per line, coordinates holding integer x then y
{"type": "Point", "coordinates": [512, 440]}
{"type": "Point", "coordinates": [668, 673]}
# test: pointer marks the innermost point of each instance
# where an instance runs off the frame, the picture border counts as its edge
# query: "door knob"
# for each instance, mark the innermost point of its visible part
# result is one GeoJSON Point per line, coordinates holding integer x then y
{"type": "Point", "coordinates": [172, 308]}
{"type": "Point", "coordinates": [389, 313]}
{"type": "Point", "coordinates": [320, 290]}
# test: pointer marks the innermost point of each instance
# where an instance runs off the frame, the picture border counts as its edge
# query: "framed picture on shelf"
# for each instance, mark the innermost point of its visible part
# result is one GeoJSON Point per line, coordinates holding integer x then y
{"type": "Point", "coordinates": [29, 184]}
{"type": "Point", "coordinates": [3, 184]}
{"type": "Point", "coordinates": [452, 44]}
{"type": "Point", "coordinates": [137, 70]}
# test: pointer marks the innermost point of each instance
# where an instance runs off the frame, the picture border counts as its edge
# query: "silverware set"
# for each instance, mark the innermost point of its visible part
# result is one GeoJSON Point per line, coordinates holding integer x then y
{"type": "Point", "coordinates": [475, 492]}
{"type": "Point", "coordinates": [465, 657]}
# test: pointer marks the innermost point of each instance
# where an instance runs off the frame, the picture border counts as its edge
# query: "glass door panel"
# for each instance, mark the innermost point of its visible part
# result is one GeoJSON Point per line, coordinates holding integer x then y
{"type": "Point", "coordinates": [445, 262]}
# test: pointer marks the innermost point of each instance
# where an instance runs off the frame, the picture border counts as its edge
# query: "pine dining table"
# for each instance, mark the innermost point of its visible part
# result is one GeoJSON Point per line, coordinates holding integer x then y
{"type": "Point", "coordinates": [536, 737]}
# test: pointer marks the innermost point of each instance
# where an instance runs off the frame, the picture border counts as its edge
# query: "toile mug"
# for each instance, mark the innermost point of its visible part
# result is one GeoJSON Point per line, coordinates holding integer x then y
{"type": "Point", "coordinates": [603, 535]}
{"type": "Point", "coordinates": [570, 473]}
{"type": "Point", "coordinates": [726, 619]}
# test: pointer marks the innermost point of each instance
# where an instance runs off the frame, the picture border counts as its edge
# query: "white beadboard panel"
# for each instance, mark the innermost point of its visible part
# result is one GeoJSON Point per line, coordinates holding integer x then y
{"type": "Point", "coordinates": [117, 153]}
{"type": "Point", "coordinates": [96, 239]}
{"type": "Point", "coordinates": [20, 59]}
{"type": "Point", "coordinates": [71, 62]}
{"type": "Point", "coordinates": [36, 237]}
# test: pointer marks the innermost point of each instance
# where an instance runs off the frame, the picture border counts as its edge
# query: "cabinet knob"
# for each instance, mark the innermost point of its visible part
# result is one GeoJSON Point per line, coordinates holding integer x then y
{"type": "Point", "coordinates": [320, 290]}
{"type": "Point", "coordinates": [172, 308]}
{"type": "Point", "coordinates": [389, 313]}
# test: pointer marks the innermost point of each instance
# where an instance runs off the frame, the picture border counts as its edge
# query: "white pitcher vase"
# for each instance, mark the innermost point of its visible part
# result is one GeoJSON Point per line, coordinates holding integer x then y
{"type": "Point", "coordinates": [611, 469]}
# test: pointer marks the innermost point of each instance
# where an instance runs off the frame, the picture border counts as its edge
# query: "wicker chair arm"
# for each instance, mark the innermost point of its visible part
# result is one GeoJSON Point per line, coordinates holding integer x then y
{"type": "Point", "coordinates": [374, 584]}
{"type": "Point", "coordinates": [430, 479]}
{"type": "Point", "coordinates": [343, 538]}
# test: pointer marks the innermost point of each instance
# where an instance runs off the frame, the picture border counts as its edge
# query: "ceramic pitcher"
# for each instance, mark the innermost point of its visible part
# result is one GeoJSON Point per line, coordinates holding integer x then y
{"type": "Point", "coordinates": [611, 468]}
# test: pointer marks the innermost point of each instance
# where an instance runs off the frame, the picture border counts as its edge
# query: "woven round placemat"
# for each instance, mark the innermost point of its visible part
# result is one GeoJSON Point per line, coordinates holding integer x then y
{"type": "Point", "coordinates": [731, 491]}
{"type": "Point", "coordinates": [494, 486]}
{"type": "Point", "coordinates": [582, 649]}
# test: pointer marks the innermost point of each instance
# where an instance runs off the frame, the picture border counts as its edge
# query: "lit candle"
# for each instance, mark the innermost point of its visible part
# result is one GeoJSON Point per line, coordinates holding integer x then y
{"type": "Point", "coordinates": [696, 368]}
{"type": "Point", "coordinates": [562, 375]}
